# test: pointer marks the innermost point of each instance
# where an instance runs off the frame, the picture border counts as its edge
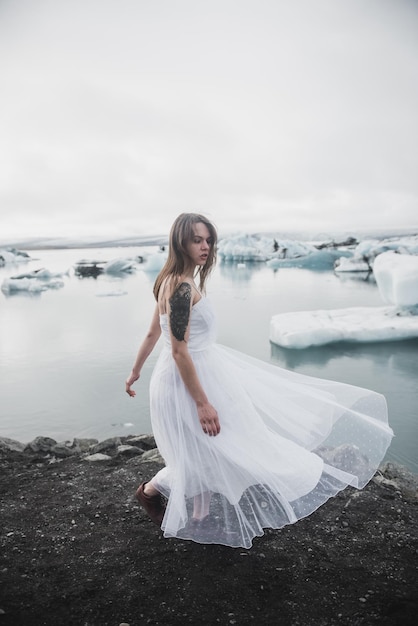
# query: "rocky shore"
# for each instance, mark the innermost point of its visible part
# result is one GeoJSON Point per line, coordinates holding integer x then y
{"type": "Point", "coordinates": [76, 549]}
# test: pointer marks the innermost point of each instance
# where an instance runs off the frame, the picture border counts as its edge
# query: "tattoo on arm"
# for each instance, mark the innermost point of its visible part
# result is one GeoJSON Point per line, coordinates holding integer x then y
{"type": "Point", "coordinates": [180, 310]}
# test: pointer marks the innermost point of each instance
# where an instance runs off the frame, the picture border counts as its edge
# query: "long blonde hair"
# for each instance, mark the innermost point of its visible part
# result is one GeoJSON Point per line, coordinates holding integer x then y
{"type": "Point", "coordinates": [181, 235]}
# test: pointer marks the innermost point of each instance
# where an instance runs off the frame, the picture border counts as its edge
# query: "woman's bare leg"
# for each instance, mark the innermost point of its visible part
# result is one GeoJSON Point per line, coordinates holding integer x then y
{"type": "Point", "coordinates": [201, 505]}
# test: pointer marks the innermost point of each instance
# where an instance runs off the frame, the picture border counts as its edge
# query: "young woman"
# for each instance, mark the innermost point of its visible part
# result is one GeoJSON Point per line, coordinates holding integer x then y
{"type": "Point", "coordinates": [247, 445]}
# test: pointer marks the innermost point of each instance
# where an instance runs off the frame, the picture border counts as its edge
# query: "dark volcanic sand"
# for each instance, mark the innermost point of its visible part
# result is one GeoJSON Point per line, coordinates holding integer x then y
{"type": "Point", "coordinates": [77, 549]}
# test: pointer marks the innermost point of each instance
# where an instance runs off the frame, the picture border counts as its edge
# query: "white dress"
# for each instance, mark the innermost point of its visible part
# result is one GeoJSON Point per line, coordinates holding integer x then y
{"type": "Point", "coordinates": [288, 442]}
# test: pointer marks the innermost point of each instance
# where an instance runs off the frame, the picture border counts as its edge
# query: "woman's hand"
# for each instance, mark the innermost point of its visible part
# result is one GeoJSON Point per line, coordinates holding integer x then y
{"type": "Point", "coordinates": [129, 382]}
{"type": "Point", "coordinates": [208, 418]}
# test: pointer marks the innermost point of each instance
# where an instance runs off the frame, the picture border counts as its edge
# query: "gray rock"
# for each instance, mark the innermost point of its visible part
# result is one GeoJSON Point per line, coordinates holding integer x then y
{"type": "Point", "coordinates": [108, 445]}
{"type": "Point", "coordinates": [93, 458]}
{"type": "Point", "coordinates": [84, 445]}
{"type": "Point", "coordinates": [152, 455]}
{"type": "Point", "coordinates": [40, 444]}
{"type": "Point", "coordinates": [401, 479]}
{"type": "Point", "coordinates": [62, 450]}
{"type": "Point", "coordinates": [128, 451]}
{"type": "Point", "coordinates": [11, 444]}
{"type": "Point", "coordinates": [147, 442]}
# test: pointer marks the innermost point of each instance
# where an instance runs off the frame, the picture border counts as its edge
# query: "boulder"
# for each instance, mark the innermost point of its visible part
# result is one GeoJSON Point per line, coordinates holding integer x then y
{"type": "Point", "coordinates": [152, 456]}
{"type": "Point", "coordinates": [93, 458]}
{"type": "Point", "coordinates": [11, 444]}
{"type": "Point", "coordinates": [147, 442]}
{"type": "Point", "coordinates": [108, 445]}
{"type": "Point", "coordinates": [401, 479]}
{"type": "Point", "coordinates": [84, 444]}
{"type": "Point", "coordinates": [62, 450]}
{"type": "Point", "coordinates": [128, 451]}
{"type": "Point", "coordinates": [40, 444]}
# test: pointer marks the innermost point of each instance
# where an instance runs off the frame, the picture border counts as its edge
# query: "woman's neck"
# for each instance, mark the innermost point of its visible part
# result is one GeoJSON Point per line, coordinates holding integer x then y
{"type": "Point", "coordinates": [189, 272]}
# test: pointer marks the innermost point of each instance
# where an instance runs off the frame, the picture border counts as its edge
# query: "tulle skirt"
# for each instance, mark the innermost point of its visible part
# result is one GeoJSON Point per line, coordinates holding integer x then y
{"type": "Point", "coordinates": [288, 443]}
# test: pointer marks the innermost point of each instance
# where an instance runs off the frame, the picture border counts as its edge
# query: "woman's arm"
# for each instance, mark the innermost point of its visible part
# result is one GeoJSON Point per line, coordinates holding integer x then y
{"type": "Point", "coordinates": [144, 351]}
{"type": "Point", "coordinates": [180, 305]}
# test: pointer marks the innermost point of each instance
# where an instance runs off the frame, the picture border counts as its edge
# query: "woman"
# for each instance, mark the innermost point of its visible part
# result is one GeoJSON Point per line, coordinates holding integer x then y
{"type": "Point", "coordinates": [247, 445]}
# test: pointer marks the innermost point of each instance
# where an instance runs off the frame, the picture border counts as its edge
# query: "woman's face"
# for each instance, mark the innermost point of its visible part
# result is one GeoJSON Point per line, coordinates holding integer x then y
{"type": "Point", "coordinates": [198, 248]}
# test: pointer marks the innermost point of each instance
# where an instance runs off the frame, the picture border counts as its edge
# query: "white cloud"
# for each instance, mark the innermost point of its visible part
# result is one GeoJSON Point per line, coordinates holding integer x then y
{"type": "Point", "coordinates": [118, 115]}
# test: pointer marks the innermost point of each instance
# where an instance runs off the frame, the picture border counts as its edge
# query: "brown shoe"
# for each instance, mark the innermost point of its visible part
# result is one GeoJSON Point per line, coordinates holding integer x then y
{"type": "Point", "coordinates": [154, 505]}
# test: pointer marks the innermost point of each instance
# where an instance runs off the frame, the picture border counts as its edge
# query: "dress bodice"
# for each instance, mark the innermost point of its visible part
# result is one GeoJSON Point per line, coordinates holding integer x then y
{"type": "Point", "coordinates": [202, 326]}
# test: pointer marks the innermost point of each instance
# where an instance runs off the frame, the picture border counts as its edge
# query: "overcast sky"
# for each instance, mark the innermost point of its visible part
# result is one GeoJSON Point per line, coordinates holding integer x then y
{"type": "Point", "coordinates": [116, 115]}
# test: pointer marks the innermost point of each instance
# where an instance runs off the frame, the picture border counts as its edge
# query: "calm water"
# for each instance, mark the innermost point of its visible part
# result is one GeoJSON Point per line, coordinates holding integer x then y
{"type": "Point", "coordinates": [64, 355]}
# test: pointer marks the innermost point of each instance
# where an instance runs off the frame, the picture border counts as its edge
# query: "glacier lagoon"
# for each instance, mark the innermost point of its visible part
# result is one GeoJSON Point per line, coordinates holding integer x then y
{"type": "Point", "coordinates": [65, 353]}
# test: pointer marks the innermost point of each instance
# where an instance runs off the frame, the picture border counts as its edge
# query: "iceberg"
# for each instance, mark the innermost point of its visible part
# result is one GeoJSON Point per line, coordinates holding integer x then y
{"type": "Point", "coordinates": [353, 264]}
{"type": "Point", "coordinates": [12, 255]}
{"type": "Point", "coordinates": [357, 324]}
{"type": "Point", "coordinates": [31, 285]}
{"type": "Point", "coordinates": [397, 278]}
{"type": "Point", "coordinates": [371, 248]}
{"type": "Point", "coordinates": [278, 253]}
{"type": "Point", "coordinates": [316, 259]}
{"type": "Point", "coordinates": [155, 262]}
{"type": "Point", "coordinates": [119, 266]}
{"type": "Point", "coordinates": [33, 282]}
{"type": "Point", "coordinates": [42, 274]}
{"type": "Point", "coordinates": [368, 250]}
{"type": "Point", "coordinates": [243, 248]}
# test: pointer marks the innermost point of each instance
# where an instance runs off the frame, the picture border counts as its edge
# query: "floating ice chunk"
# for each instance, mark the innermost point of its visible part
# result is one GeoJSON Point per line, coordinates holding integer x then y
{"type": "Point", "coordinates": [358, 324]}
{"type": "Point", "coordinates": [42, 274]}
{"type": "Point", "coordinates": [11, 255]}
{"type": "Point", "coordinates": [54, 284]}
{"type": "Point", "coordinates": [93, 268]}
{"type": "Point", "coordinates": [155, 262]}
{"type": "Point", "coordinates": [397, 278]}
{"type": "Point", "coordinates": [316, 259]}
{"type": "Point", "coordinates": [13, 285]}
{"type": "Point", "coordinates": [243, 247]}
{"type": "Point", "coordinates": [278, 252]}
{"type": "Point", "coordinates": [371, 248]}
{"type": "Point", "coordinates": [45, 274]}
{"type": "Point", "coordinates": [353, 264]}
{"type": "Point", "coordinates": [367, 248]}
{"type": "Point", "coordinates": [33, 282]}
{"type": "Point", "coordinates": [31, 285]}
{"type": "Point", "coordinates": [118, 266]}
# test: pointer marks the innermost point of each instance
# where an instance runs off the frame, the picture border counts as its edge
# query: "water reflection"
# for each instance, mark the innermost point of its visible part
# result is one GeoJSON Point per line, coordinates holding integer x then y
{"type": "Point", "coordinates": [240, 272]}
{"type": "Point", "coordinates": [401, 354]}
{"type": "Point", "coordinates": [365, 277]}
{"type": "Point", "coordinates": [21, 293]}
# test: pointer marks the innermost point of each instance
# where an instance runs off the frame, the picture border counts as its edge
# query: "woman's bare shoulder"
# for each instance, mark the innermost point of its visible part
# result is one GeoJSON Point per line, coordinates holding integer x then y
{"type": "Point", "coordinates": [174, 287]}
